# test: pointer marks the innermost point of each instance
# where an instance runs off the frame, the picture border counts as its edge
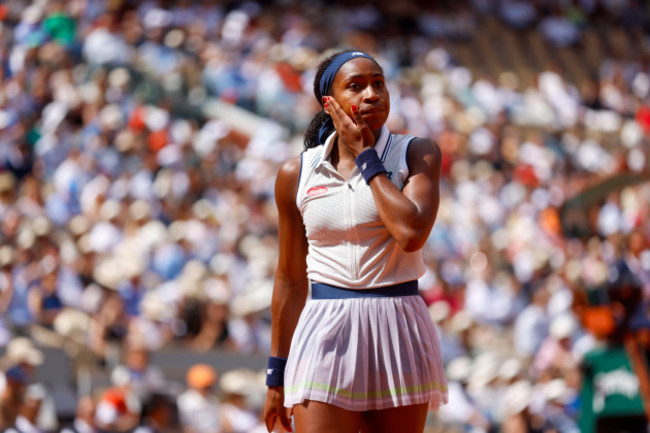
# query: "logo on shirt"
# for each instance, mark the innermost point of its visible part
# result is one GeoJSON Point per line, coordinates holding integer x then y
{"type": "Point", "coordinates": [317, 190]}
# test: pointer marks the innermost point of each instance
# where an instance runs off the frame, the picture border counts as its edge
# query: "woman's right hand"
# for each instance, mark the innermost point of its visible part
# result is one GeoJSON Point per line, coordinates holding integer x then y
{"type": "Point", "coordinates": [274, 409]}
{"type": "Point", "coordinates": [353, 130]}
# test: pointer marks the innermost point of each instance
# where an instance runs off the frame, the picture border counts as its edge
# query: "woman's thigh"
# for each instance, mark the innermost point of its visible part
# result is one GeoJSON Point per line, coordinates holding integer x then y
{"type": "Point", "coordinates": [317, 417]}
{"type": "Point", "coordinates": [402, 419]}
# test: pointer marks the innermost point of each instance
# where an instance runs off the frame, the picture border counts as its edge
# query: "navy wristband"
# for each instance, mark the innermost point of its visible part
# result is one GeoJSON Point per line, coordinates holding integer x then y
{"type": "Point", "coordinates": [275, 371]}
{"type": "Point", "coordinates": [369, 164]}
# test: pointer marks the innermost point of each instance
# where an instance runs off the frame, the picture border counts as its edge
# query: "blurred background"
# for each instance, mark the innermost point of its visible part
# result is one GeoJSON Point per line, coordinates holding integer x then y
{"type": "Point", "coordinates": [139, 142]}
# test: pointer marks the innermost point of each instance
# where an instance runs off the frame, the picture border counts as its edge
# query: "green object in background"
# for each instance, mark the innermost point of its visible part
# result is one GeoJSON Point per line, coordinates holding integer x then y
{"type": "Point", "coordinates": [32, 136]}
{"type": "Point", "coordinates": [610, 388]}
{"type": "Point", "coordinates": [61, 27]}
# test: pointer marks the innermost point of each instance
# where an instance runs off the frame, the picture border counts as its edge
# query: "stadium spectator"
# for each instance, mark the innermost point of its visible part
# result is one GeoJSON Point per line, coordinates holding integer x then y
{"type": "Point", "coordinates": [26, 419]}
{"type": "Point", "coordinates": [159, 415]}
{"type": "Point", "coordinates": [116, 412]}
{"type": "Point", "coordinates": [11, 400]}
{"type": "Point", "coordinates": [237, 387]}
{"type": "Point", "coordinates": [199, 406]}
{"type": "Point", "coordinates": [84, 421]}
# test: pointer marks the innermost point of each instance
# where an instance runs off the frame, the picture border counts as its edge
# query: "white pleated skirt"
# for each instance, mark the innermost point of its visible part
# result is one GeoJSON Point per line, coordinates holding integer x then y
{"type": "Point", "coordinates": [365, 354]}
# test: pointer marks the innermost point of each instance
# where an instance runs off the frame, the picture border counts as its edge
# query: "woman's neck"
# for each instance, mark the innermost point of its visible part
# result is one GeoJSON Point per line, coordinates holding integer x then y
{"type": "Point", "coordinates": [341, 152]}
{"type": "Point", "coordinates": [343, 159]}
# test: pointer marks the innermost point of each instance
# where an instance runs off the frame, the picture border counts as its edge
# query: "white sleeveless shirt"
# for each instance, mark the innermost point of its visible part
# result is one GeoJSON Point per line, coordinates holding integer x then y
{"type": "Point", "coordinates": [349, 246]}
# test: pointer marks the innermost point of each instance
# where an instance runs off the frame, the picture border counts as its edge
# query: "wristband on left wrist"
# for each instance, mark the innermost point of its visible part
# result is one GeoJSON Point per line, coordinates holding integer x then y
{"type": "Point", "coordinates": [369, 164]}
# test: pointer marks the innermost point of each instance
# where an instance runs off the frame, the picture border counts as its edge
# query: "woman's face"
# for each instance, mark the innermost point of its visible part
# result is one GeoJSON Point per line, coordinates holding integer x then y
{"type": "Point", "coordinates": [361, 82]}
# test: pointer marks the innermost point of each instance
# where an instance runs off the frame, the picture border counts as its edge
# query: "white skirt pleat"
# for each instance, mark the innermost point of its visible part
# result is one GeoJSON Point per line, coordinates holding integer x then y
{"type": "Point", "coordinates": [366, 354]}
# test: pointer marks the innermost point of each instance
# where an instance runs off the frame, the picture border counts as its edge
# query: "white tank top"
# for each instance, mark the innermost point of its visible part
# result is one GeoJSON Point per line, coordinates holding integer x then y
{"type": "Point", "coordinates": [349, 246]}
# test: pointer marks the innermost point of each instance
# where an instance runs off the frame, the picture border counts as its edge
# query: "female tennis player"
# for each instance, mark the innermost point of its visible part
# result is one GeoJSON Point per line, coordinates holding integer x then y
{"type": "Point", "coordinates": [355, 210]}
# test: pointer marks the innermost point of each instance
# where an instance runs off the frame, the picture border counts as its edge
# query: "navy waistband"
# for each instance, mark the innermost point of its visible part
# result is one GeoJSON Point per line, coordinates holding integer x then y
{"type": "Point", "coordinates": [325, 291]}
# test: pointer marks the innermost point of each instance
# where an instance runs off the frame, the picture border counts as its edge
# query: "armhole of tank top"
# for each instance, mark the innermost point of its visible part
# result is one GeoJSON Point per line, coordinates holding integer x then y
{"type": "Point", "coordinates": [405, 160]}
{"type": "Point", "coordinates": [299, 189]}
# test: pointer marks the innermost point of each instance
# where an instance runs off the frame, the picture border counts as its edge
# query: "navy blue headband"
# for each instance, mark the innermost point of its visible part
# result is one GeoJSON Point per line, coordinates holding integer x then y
{"type": "Point", "coordinates": [326, 81]}
{"type": "Point", "coordinates": [329, 73]}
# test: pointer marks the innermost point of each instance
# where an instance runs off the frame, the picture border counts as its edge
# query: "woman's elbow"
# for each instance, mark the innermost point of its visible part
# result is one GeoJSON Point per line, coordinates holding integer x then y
{"type": "Point", "coordinates": [412, 242]}
{"type": "Point", "coordinates": [412, 247]}
{"type": "Point", "coordinates": [412, 235]}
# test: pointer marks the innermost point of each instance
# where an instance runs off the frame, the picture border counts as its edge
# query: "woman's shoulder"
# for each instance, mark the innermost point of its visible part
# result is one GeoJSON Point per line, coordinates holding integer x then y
{"type": "Point", "coordinates": [288, 177]}
{"type": "Point", "coordinates": [310, 156]}
{"type": "Point", "coordinates": [421, 146]}
{"type": "Point", "coordinates": [291, 167]}
{"type": "Point", "coordinates": [412, 140]}
{"type": "Point", "coordinates": [416, 146]}
{"type": "Point", "coordinates": [420, 154]}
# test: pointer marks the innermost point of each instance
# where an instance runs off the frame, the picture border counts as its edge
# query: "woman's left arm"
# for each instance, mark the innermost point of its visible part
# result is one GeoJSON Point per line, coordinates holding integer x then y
{"type": "Point", "coordinates": [409, 214]}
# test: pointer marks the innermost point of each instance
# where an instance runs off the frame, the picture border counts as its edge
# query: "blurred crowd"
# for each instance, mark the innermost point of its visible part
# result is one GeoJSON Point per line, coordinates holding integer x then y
{"type": "Point", "coordinates": [138, 399]}
{"type": "Point", "coordinates": [137, 213]}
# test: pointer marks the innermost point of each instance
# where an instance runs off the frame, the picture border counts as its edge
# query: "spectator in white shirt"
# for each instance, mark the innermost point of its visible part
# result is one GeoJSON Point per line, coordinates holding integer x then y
{"type": "Point", "coordinates": [84, 421]}
{"type": "Point", "coordinates": [198, 406]}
